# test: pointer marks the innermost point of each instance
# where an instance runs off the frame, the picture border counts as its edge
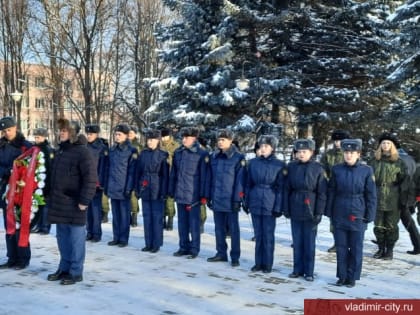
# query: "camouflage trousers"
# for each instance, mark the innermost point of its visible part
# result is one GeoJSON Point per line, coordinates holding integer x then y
{"type": "Point", "coordinates": [170, 207]}
{"type": "Point", "coordinates": [386, 227]}
{"type": "Point", "coordinates": [105, 204]}
{"type": "Point", "coordinates": [134, 203]}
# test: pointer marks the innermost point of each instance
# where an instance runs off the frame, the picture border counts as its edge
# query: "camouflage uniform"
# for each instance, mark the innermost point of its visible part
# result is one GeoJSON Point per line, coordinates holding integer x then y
{"type": "Point", "coordinates": [391, 178]}
{"type": "Point", "coordinates": [170, 146]}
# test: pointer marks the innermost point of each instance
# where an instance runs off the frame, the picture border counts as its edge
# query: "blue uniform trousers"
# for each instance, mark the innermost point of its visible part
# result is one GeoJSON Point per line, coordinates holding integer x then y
{"type": "Point", "coordinates": [121, 219]}
{"type": "Point", "coordinates": [264, 226]}
{"type": "Point", "coordinates": [303, 235]}
{"type": "Point", "coordinates": [71, 241]}
{"type": "Point", "coordinates": [230, 220]}
{"type": "Point", "coordinates": [153, 222]}
{"type": "Point", "coordinates": [189, 223]}
{"type": "Point", "coordinates": [349, 246]}
{"type": "Point", "coordinates": [94, 217]}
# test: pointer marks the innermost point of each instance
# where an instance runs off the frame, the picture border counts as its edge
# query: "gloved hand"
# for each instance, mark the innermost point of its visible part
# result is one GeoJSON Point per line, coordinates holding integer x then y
{"type": "Point", "coordinates": [286, 215]}
{"type": "Point", "coordinates": [210, 203]}
{"type": "Point", "coordinates": [245, 207]}
{"type": "Point", "coordinates": [276, 214]}
{"type": "Point", "coordinates": [412, 209]}
{"type": "Point", "coordinates": [317, 218]}
{"type": "Point", "coordinates": [203, 200]}
{"type": "Point", "coordinates": [236, 206]}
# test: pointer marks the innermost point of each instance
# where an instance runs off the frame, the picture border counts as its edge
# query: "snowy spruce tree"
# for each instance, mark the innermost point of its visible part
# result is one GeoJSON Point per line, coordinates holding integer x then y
{"type": "Point", "coordinates": [271, 66]}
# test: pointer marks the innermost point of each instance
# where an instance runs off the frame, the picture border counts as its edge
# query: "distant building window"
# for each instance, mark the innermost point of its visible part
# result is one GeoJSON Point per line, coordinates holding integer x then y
{"type": "Point", "coordinates": [40, 103]}
{"type": "Point", "coordinates": [39, 82]}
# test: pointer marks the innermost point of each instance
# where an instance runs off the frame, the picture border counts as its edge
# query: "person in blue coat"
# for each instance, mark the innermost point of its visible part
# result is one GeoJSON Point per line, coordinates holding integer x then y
{"type": "Point", "coordinates": [120, 184]}
{"type": "Point", "coordinates": [306, 200]}
{"type": "Point", "coordinates": [351, 206]}
{"type": "Point", "coordinates": [264, 196]}
{"type": "Point", "coordinates": [189, 186]}
{"type": "Point", "coordinates": [227, 173]}
{"type": "Point", "coordinates": [151, 185]}
{"type": "Point", "coordinates": [100, 153]}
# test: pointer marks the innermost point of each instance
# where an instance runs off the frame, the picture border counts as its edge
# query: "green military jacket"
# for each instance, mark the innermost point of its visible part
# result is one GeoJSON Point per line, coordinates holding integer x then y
{"type": "Point", "coordinates": [391, 182]}
{"type": "Point", "coordinates": [170, 146]}
{"type": "Point", "coordinates": [331, 158]}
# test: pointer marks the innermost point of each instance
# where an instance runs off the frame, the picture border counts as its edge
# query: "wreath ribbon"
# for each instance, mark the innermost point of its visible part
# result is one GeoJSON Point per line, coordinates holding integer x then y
{"type": "Point", "coordinates": [28, 189]}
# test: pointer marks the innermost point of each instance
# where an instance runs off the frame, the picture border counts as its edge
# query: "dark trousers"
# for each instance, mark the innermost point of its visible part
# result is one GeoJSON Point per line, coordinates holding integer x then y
{"type": "Point", "coordinates": [349, 245]}
{"type": "Point", "coordinates": [153, 222]}
{"type": "Point", "coordinates": [189, 224]}
{"type": "Point", "coordinates": [71, 240]}
{"type": "Point", "coordinates": [43, 224]}
{"type": "Point", "coordinates": [230, 220]}
{"type": "Point", "coordinates": [264, 227]}
{"type": "Point", "coordinates": [303, 235]}
{"type": "Point", "coordinates": [120, 219]}
{"type": "Point", "coordinates": [94, 217]}
{"type": "Point", "coordinates": [16, 254]}
{"type": "Point", "coordinates": [410, 226]}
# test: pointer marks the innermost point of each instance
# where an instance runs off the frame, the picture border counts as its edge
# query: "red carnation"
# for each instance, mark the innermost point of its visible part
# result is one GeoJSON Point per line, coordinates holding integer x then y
{"type": "Point", "coordinates": [352, 217]}
{"type": "Point", "coordinates": [241, 194]}
{"type": "Point", "coordinates": [145, 183]}
{"type": "Point", "coordinates": [188, 207]}
{"type": "Point", "coordinates": [307, 201]}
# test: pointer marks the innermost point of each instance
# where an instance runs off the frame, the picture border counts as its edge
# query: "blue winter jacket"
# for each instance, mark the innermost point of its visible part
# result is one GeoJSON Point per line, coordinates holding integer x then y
{"type": "Point", "coordinates": [122, 164]}
{"type": "Point", "coordinates": [188, 180]}
{"type": "Point", "coordinates": [351, 196]}
{"type": "Point", "coordinates": [306, 190]}
{"type": "Point", "coordinates": [152, 174]}
{"type": "Point", "coordinates": [264, 191]}
{"type": "Point", "coordinates": [227, 173]}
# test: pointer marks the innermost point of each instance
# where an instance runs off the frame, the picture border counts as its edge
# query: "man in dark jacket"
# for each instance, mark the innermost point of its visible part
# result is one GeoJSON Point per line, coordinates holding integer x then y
{"type": "Point", "coordinates": [12, 144]}
{"type": "Point", "coordinates": [120, 184]}
{"type": "Point", "coordinates": [227, 173]}
{"type": "Point", "coordinates": [41, 141]}
{"type": "Point", "coordinates": [73, 186]}
{"type": "Point", "coordinates": [188, 184]}
{"type": "Point", "coordinates": [99, 151]}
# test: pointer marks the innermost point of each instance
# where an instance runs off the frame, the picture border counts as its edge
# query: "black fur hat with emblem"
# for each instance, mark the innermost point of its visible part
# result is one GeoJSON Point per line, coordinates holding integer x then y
{"type": "Point", "coordinates": [268, 139]}
{"type": "Point", "coordinates": [226, 134]}
{"type": "Point", "coordinates": [41, 132]}
{"type": "Point", "coordinates": [124, 128]}
{"type": "Point", "coordinates": [391, 137]}
{"type": "Point", "coordinates": [189, 132]}
{"type": "Point", "coordinates": [304, 144]}
{"type": "Point", "coordinates": [7, 122]}
{"type": "Point", "coordinates": [153, 134]}
{"type": "Point", "coordinates": [165, 132]}
{"type": "Point", "coordinates": [92, 128]}
{"type": "Point", "coordinates": [351, 145]}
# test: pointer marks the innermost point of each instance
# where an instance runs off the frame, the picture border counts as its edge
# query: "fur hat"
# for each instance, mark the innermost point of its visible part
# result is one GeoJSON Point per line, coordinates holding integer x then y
{"type": "Point", "coordinates": [7, 122]}
{"type": "Point", "coordinates": [340, 135]}
{"type": "Point", "coordinates": [134, 128]}
{"type": "Point", "coordinates": [304, 144]}
{"type": "Point", "coordinates": [225, 133]}
{"type": "Point", "coordinates": [351, 145]}
{"type": "Point", "coordinates": [42, 132]}
{"type": "Point", "coordinates": [391, 137]}
{"type": "Point", "coordinates": [189, 132]}
{"type": "Point", "coordinates": [153, 134]}
{"type": "Point", "coordinates": [124, 128]}
{"type": "Point", "coordinates": [92, 128]}
{"type": "Point", "coordinates": [268, 139]}
{"type": "Point", "coordinates": [72, 127]}
{"type": "Point", "coordinates": [165, 132]}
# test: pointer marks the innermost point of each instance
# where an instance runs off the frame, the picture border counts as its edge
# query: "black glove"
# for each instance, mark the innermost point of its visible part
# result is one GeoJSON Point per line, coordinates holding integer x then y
{"type": "Point", "coordinates": [317, 218]}
{"type": "Point", "coordinates": [245, 208]}
{"type": "Point", "coordinates": [210, 203]}
{"type": "Point", "coordinates": [236, 206]}
{"type": "Point", "coordinates": [412, 209]}
{"type": "Point", "coordinates": [276, 214]}
{"type": "Point", "coordinates": [286, 215]}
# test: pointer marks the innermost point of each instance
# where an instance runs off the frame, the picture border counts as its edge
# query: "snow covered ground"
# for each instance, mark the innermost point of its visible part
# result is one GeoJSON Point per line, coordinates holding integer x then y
{"type": "Point", "coordinates": [128, 281]}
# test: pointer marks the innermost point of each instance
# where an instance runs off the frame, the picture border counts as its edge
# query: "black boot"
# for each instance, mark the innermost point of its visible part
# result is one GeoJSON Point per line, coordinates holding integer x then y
{"type": "Point", "coordinates": [170, 224]}
{"type": "Point", "coordinates": [104, 217]}
{"type": "Point", "coordinates": [164, 223]}
{"type": "Point", "coordinates": [381, 251]}
{"type": "Point", "coordinates": [134, 219]}
{"type": "Point", "coordinates": [389, 253]}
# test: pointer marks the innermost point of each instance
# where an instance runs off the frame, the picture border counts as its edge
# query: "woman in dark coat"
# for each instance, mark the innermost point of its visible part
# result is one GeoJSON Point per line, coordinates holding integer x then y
{"type": "Point", "coordinates": [264, 198]}
{"type": "Point", "coordinates": [351, 205]}
{"type": "Point", "coordinates": [151, 185]}
{"type": "Point", "coordinates": [306, 199]}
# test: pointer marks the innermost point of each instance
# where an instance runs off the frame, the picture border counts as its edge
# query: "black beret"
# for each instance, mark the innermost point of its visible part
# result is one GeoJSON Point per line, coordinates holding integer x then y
{"type": "Point", "coordinates": [124, 128]}
{"type": "Point", "coordinates": [153, 134]}
{"type": "Point", "coordinates": [165, 132]}
{"type": "Point", "coordinates": [134, 128]}
{"type": "Point", "coordinates": [40, 132]}
{"type": "Point", "coordinates": [304, 144]}
{"type": "Point", "coordinates": [391, 137]}
{"type": "Point", "coordinates": [225, 133]}
{"type": "Point", "coordinates": [351, 145]}
{"type": "Point", "coordinates": [7, 122]}
{"type": "Point", "coordinates": [268, 139]}
{"type": "Point", "coordinates": [340, 134]}
{"type": "Point", "coordinates": [189, 132]}
{"type": "Point", "coordinates": [92, 128]}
